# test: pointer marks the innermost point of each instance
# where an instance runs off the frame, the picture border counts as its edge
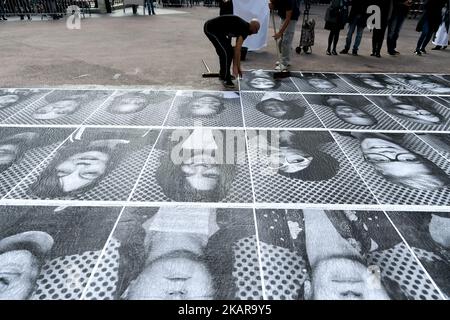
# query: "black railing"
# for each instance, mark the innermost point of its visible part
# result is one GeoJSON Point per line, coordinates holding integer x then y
{"type": "Point", "coordinates": [44, 7]}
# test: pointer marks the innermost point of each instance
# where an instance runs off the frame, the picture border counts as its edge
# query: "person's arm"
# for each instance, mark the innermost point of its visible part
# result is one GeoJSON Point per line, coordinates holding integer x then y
{"type": "Point", "coordinates": [237, 57]}
{"type": "Point", "coordinates": [283, 28]}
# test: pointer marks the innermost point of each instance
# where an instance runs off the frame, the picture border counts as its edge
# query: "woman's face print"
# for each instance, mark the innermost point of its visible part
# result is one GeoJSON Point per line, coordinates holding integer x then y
{"type": "Point", "coordinates": [201, 172]}
{"type": "Point", "coordinates": [8, 153]}
{"type": "Point", "coordinates": [56, 110]}
{"type": "Point", "coordinates": [354, 115]}
{"type": "Point", "coordinates": [275, 108]}
{"type": "Point", "coordinates": [129, 105]}
{"type": "Point", "coordinates": [416, 113]}
{"type": "Point", "coordinates": [7, 100]}
{"type": "Point", "coordinates": [176, 278]}
{"type": "Point", "coordinates": [391, 159]}
{"type": "Point", "coordinates": [430, 86]}
{"type": "Point", "coordinates": [320, 83]}
{"type": "Point", "coordinates": [373, 83]}
{"type": "Point", "coordinates": [262, 83]}
{"type": "Point", "coordinates": [18, 272]}
{"type": "Point", "coordinates": [346, 279]}
{"type": "Point", "coordinates": [81, 170]}
{"type": "Point", "coordinates": [205, 106]}
{"type": "Point", "coordinates": [289, 160]}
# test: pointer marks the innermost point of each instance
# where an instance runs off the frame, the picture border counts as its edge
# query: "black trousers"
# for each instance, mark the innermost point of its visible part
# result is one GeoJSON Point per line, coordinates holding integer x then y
{"type": "Point", "coordinates": [378, 38]}
{"type": "Point", "coordinates": [224, 50]}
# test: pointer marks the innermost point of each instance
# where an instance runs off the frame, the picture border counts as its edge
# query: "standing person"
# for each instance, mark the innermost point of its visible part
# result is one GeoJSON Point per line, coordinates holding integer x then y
{"type": "Point", "coordinates": [335, 20]}
{"type": "Point", "coordinates": [289, 12]}
{"type": "Point", "coordinates": [25, 9]}
{"type": "Point", "coordinates": [220, 31]}
{"type": "Point", "coordinates": [2, 10]}
{"type": "Point", "coordinates": [379, 33]}
{"type": "Point", "coordinates": [226, 7]}
{"type": "Point", "coordinates": [428, 24]}
{"type": "Point", "coordinates": [399, 13]}
{"type": "Point", "coordinates": [357, 21]}
{"type": "Point", "coordinates": [150, 7]}
{"type": "Point", "coordinates": [441, 40]}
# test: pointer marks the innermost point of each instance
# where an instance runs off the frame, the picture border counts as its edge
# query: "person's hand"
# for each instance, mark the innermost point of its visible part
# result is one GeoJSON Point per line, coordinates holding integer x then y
{"type": "Point", "coordinates": [240, 72]}
{"type": "Point", "coordinates": [236, 71]}
{"type": "Point", "coordinates": [277, 36]}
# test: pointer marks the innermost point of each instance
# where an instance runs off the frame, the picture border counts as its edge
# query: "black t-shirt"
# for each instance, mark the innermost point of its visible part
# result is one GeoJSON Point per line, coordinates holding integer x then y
{"type": "Point", "coordinates": [287, 5]}
{"type": "Point", "coordinates": [229, 25]}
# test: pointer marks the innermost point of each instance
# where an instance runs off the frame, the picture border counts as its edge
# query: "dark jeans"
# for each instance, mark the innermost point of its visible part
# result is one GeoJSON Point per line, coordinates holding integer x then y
{"type": "Point", "coordinates": [150, 7]}
{"type": "Point", "coordinates": [224, 50]}
{"type": "Point", "coordinates": [425, 36]}
{"type": "Point", "coordinates": [354, 25]}
{"type": "Point", "coordinates": [378, 38]}
{"type": "Point", "coordinates": [333, 38]}
{"type": "Point", "coordinates": [394, 26]}
{"type": "Point", "coordinates": [2, 9]}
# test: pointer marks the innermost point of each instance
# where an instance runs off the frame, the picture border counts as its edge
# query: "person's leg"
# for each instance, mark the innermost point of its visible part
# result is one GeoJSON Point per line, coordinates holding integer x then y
{"type": "Point", "coordinates": [152, 7]}
{"type": "Point", "coordinates": [348, 40]}
{"type": "Point", "coordinates": [330, 41]}
{"type": "Point", "coordinates": [286, 43]}
{"type": "Point", "coordinates": [423, 37]}
{"type": "Point", "coordinates": [336, 40]}
{"type": "Point", "coordinates": [398, 27]}
{"type": "Point", "coordinates": [221, 44]}
{"type": "Point", "coordinates": [358, 39]}
{"type": "Point", "coordinates": [391, 29]}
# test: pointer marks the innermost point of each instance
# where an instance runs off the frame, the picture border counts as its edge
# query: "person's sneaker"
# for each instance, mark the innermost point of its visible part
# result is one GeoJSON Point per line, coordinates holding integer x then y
{"type": "Point", "coordinates": [345, 51]}
{"type": "Point", "coordinates": [423, 51]}
{"type": "Point", "coordinates": [229, 84]}
{"type": "Point", "coordinates": [355, 52]}
{"type": "Point", "coordinates": [334, 53]}
{"type": "Point", "coordinates": [328, 53]}
{"type": "Point", "coordinates": [437, 48]}
{"type": "Point", "coordinates": [281, 68]}
{"type": "Point", "coordinates": [393, 53]}
{"type": "Point", "coordinates": [417, 53]}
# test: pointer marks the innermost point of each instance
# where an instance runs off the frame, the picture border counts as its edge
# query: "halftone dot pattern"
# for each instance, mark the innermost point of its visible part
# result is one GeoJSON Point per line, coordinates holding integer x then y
{"type": "Point", "coordinates": [246, 272]}
{"type": "Point", "coordinates": [331, 121]}
{"type": "Point", "coordinates": [24, 101]}
{"type": "Point", "coordinates": [399, 265]}
{"type": "Point", "coordinates": [383, 103]}
{"type": "Point", "coordinates": [231, 116]}
{"type": "Point", "coordinates": [255, 118]}
{"type": "Point", "coordinates": [65, 278]}
{"type": "Point", "coordinates": [395, 86]}
{"type": "Point", "coordinates": [340, 86]}
{"type": "Point", "coordinates": [103, 283]}
{"type": "Point", "coordinates": [11, 177]}
{"type": "Point", "coordinates": [424, 78]}
{"type": "Point", "coordinates": [153, 114]}
{"type": "Point", "coordinates": [90, 101]}
{"type": "Point", "coordinates": [148, 189]}
{"type": "Point", "coordinates": [445, 101]}
{"type": "Point", "coordinates": [344, 188]}
{"type": "Point", "coordinates": [388, 192]}
{"type": "Point", "coordinates": [284, 272]}
{"type": "Point", "coordinates": [284, 85]}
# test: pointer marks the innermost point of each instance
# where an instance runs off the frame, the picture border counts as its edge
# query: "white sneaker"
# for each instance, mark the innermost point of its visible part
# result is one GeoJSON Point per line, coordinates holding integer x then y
{"type": "Point", "coordinates": [281, 68]}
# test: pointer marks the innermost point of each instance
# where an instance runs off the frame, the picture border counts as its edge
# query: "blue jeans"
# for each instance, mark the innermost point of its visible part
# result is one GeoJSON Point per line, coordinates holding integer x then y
{"type": "Point", "coordinates": [394, 26]}
{"type": "Point", "coordinates": [150, 7]}
{"type": "Point", "coordinates": [425, 36]}
{"type": "Point", "coordinates": [359, 33]}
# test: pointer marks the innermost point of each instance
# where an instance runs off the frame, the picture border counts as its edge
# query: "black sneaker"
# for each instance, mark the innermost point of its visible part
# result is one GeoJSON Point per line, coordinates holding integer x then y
{"type": "Point", "coordinates": [345, 51]}
{"type": "Point", "coordinates": [355, 52]}
{"type": "Point", "coordinates": [394, 53]}
{"type": "Point", "coordinates": [423, 51]}
{"type": "Point", "coordinates": [334, 53]}
{"type": "Point", "coordinates": [229, 84]}
{"type": "Point", "coordinates": [417, 53]}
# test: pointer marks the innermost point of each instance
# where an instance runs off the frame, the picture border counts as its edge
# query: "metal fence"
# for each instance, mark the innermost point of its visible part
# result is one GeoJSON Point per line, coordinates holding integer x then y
{"type": "Point", "coordinates": [43, 7]}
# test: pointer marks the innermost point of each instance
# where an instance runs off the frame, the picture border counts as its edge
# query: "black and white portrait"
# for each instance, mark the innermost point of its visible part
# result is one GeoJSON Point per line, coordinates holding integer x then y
{"type": "Point", "coordinates": [22, 149]}
{"type": "Point", "coordinates": [261, 80]}
{"type": "Point", "coordinates": [197, 165]}
{"type": "Point", "coordinates": [61, 107]}
{"type": "Point", "coordinates": [425, 84]}
{"type": "Point", "coordinates": [134, 108]}
{"type": "Point", "coordinates": [207, 108]}
{"type": "Point", "coordinates": [445, 101]}
{"type": "Point", "coordinates": [376, 84]}
{"type": "Point", "coordinates": [49, 253]}
{"type": "Point", "coordinates": [428, 234]}
{"type": "Point", "coordinates": [337, 255]}
{"type": "Point", "coordinates": [414, 112]}
{"type": "Point", "coordinates": [438, 141]}
{"type": "Point", "coordinates": [95, 164]}
{"type": "Point", "coordinates": [274, 109]}
{"type": "Point", "coordinates": [350, 112]}
{"type": "Point", "coordinates": [321, 83]}
{"type": "Point", "coordinates": [303, 167]}
{"type": "Point", "coordinates": [14, 100]}
{"type": "Point", "coordinates": [399, 168]}
{"type": "Point", "coordinates": [182, 253]}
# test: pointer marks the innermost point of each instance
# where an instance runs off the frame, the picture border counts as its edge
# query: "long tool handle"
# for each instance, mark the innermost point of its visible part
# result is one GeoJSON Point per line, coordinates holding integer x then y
{"type": "Point", "coordinates": [275, 30]}
{"type": "Point", "coordinates": [206, 66]}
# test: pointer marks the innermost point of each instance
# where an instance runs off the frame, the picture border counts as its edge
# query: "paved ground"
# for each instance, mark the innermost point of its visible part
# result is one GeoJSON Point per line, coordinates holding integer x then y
{"type": "Point", "coordinates": [163, 51]}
